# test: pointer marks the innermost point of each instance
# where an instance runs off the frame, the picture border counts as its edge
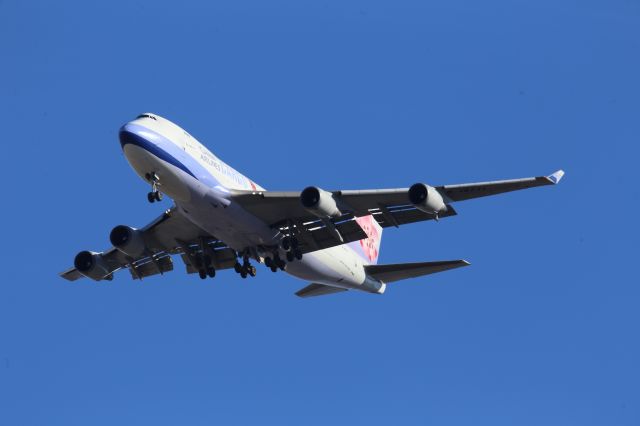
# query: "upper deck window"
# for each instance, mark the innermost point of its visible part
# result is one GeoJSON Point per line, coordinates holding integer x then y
{"type": "Point", "coordinates": [147, 115]}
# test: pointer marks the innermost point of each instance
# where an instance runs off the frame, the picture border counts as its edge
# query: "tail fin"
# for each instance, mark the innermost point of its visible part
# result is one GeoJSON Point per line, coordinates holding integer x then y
{"type": "Point", "coordinates": [368, 248]}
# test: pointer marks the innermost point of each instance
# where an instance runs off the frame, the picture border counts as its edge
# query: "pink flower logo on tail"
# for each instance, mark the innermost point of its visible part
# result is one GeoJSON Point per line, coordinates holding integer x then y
{"type": "Point", "coordinates": [370, 245]}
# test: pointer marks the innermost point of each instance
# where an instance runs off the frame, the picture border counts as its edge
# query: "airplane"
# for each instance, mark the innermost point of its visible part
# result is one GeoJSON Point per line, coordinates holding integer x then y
{"type": "Point", "coordinates": [220, 219]}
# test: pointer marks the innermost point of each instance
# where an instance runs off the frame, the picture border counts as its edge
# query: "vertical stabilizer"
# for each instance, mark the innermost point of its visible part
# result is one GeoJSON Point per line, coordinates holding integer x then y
{"type": "Point", "coordinates": [369, 248]}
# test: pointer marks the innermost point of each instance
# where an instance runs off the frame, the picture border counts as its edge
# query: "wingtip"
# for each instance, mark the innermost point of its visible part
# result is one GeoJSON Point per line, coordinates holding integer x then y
{"type": "Point", "coordinates": [556, 177]}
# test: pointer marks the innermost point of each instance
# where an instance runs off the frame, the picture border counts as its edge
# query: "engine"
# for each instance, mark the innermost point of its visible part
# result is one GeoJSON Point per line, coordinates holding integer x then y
{"type": "Point", "coordinates": [319, 202]}
{"type": "Point", "coordinates": [427, 199]}
{"type": "Point", "coordinates": [91, 265]}
{"type": "Point", "coordinates": [128, 241]}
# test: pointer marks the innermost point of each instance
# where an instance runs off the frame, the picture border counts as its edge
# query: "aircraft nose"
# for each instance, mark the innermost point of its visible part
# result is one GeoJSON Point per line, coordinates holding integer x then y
{"type": "Point", "coordinates": [129, 135]}
{"type": "Point", "coordinates": [136, 135]}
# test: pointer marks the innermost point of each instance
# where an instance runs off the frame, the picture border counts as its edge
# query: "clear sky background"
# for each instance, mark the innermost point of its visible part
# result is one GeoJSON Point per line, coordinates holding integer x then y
{"type": "Point", "coordinates": [542, 329]}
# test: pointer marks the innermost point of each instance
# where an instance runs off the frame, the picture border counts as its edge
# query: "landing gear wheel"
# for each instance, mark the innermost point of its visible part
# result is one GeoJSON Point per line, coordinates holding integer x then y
{"type": "Point", "coordinates": [211, 272]}
{"type": "Point", "coordinates": [237, 267]}
{"type": "Point", "coordinates": [243, 274]}
{"type": "Point", "coordinates": [274, 268]}
{"type": "Point", "coordinates": [278, 263]}
{"type": "Point", "coordinates": [290, 256]}
{"type": "Point", "coordinates": [268, 262]}
{"type": "Point", "coordinates": [202, 273]}
{"type": "Point", "coordinates": [154, 180]}
{"type": "Point", "coordinates": [252, 271]}
{"type": "Point", "coordinates": [298, 254]}
{"type": "Point", "coordinates": [246, 269]}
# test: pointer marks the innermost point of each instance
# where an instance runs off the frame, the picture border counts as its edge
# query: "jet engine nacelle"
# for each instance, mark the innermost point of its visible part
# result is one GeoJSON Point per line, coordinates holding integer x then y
{"type": "Point", "coordinates": [427, 199]}
{"type": "Point", "coordinates": [91, 265]}
{"type": "Point", "coordinates": [319, 202]}
{"type": "Point", "coordinates": [128, 241]}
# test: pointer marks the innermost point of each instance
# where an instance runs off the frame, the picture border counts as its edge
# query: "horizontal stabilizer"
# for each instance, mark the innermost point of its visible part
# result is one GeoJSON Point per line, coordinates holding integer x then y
{"type": "Point", "coordinates": [318, 290]}
{"type": "Point", "coordinates": [71, 274]}
{"type": "Point", "coordinates": [401, 271]}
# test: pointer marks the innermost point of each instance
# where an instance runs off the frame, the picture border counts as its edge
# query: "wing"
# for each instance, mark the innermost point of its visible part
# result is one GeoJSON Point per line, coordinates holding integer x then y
{"type": "Point", "coordinates": [390, 207]}
{"type": "Point", "coordinates": [169, 234]}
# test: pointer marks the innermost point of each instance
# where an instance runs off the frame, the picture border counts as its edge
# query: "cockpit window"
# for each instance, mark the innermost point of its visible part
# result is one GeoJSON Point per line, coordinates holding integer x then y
{"type": "Point", "coordinates": [146, 115]}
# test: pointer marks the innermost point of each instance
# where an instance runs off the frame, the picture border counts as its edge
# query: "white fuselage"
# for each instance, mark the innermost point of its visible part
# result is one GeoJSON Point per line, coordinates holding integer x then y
{"type": "Point", "coordinates": [200, 185]}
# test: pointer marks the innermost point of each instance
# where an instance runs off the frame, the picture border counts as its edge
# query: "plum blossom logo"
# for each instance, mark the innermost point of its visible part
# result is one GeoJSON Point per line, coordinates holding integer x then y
{"type": "Point", "coordinates": [370, 244]}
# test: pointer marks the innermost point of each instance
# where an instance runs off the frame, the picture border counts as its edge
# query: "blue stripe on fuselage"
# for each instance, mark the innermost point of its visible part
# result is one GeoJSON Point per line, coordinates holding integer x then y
{"type": "Point", "coordinates": [165, 150]}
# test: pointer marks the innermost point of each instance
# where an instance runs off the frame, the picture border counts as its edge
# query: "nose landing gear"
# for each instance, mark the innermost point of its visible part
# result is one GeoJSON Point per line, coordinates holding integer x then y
{"type": "Point", "coordinates": [155, 194]}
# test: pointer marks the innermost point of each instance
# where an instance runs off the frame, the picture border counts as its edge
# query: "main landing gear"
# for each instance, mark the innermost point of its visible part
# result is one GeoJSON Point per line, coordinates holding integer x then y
{"type": "Point", "coordinates": [291, 246]}
{"type": "Point", "coordinates": [245, 269]}
{"type": "Point", "coordinates": [204, 273]}
{"type": "Point", "coordinates": [205, 267]}
{"type": "Point", "coordinates": [155, 194]}
{"type": "Point", "coordinates": [202, 260]}
{"type": "Point", "coordinates": [292, 250]}
{"type": "Point", "coordinates": [275, 263]}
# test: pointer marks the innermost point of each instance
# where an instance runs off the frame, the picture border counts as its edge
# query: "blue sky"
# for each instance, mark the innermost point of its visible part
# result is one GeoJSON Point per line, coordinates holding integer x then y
{"type": "Point", "coordinates": [542, 329]}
